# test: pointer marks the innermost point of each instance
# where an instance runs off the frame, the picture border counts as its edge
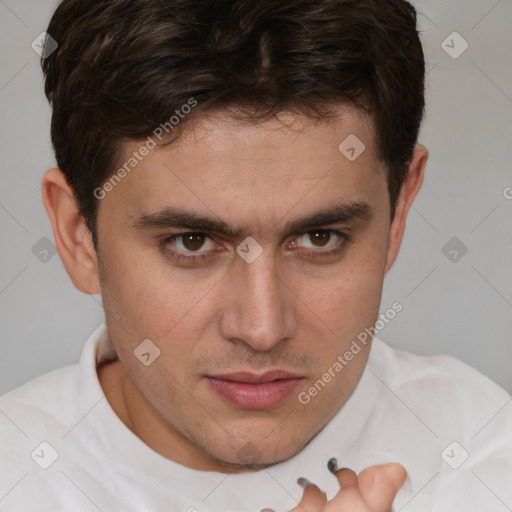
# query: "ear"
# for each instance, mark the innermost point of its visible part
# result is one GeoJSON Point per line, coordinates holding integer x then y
{"type": "Point", "coordinates": [408, 191]}
{"type": "Point", "coordinates": [72, 237]}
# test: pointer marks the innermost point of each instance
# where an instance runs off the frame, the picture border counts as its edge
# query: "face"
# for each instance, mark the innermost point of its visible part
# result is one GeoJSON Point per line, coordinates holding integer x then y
{"type": "Point", "coordinates": [244, 326]}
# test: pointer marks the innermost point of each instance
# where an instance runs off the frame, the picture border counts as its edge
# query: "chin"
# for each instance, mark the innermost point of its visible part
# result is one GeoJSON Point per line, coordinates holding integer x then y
{"type": "Point", "coordinates": [248, 462]}
{"type": "Point", "coordinates": [256, 453]}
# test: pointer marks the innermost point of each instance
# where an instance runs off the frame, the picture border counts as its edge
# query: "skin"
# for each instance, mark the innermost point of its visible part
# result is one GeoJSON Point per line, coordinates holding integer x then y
{"type": "Point", "coordinates": [285, 310]}
{"type": "Point", "coordinates": [373, 490]}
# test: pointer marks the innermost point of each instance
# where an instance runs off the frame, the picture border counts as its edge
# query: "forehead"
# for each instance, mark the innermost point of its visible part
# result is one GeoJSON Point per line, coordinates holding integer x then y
{"type": "Point", "coordinates": [288, 133]}
{"type": "Point", "coordinates": [230, 167]}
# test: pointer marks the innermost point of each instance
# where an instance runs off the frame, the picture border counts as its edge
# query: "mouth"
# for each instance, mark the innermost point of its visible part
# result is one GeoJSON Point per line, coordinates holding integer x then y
{"type": "Point", "coordinates": [245, 390]}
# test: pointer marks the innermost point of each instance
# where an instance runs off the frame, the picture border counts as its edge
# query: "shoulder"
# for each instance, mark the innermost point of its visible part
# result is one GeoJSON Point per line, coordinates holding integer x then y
{"type": "Point", "coordinates": [43, 395]}
{"type": "Point", "coordinates": [48, 403]}
{"type": "Point", "coordinates": [33, 419]}
{"type": "Point", "coordinates": [446, 393]}
{"type": "Point", "coordinates": [454, 422]}
{"type": "Point", "coordinates": [401, 368]}
{"type": "Point", "coordinates": [61, 394]}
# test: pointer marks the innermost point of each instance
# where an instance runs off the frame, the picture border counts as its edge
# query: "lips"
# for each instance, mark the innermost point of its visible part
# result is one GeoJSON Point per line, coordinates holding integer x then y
{"type": "Point", "coordinates": [245, 390]}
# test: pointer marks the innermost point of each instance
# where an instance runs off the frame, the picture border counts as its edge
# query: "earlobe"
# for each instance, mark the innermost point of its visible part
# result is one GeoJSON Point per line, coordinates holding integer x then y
{"type": "Point", "coordinates": [72, 237]}
{"type": "Point", "coordinates": [410, 188]}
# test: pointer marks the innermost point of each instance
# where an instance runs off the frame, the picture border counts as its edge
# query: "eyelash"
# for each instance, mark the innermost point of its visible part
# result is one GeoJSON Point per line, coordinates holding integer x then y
{"type": "Point", "coordinates": [338, 248]}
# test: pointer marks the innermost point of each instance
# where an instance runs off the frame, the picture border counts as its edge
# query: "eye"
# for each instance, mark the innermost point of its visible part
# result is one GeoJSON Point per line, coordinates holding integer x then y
{"type": "Point", "coordinates": [193, 247]}
{"type": "Point", "coordinates": [191, 242]}
{"type": "Point", "coordinates": [320, 239]}
{"type": "Point", "coordinates": [326, 245]}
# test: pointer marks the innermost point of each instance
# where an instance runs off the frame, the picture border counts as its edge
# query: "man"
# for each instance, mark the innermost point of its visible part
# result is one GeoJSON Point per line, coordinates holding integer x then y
{"type": "Point", "coordinates": [234, 179]}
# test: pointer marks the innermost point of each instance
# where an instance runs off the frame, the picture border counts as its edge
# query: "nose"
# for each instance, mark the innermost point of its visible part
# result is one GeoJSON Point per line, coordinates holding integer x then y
{"type": "Point", "coordinates": [259, 311]}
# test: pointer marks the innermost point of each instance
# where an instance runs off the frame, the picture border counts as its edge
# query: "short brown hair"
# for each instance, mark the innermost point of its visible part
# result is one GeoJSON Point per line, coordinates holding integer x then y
{"type": "Point", "coordinates": [123, 67]}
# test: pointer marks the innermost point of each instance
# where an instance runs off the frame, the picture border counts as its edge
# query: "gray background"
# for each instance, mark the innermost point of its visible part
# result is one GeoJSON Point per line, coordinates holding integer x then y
{"type": "Point", "coordinates": [462, 307]}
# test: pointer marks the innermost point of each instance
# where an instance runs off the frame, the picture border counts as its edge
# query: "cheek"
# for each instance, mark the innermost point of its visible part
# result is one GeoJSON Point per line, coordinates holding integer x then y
{"type": "Point", "coordinates": [347, 299]}
{"type": "Point", "coordinates": [148, 295]}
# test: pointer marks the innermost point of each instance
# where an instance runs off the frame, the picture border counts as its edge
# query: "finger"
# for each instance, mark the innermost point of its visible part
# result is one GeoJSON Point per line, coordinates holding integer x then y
{"type": "Point", "coordinates": [313, 499]}
{"type": "Point", "coordinates": [379, 484]}
{"type": "Point", "coordinates": [347, 478]}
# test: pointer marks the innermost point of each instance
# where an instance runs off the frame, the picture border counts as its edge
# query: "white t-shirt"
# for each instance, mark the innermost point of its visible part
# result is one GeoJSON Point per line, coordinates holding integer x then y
{"type": "Point", "coordinates": [62, 447]}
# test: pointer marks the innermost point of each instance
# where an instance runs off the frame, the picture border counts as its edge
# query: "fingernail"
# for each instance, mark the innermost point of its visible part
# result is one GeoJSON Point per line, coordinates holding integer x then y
{"type": "Point", "coordinates": [303, 482]}
{"type": "Point", "coordinates": [332, 465]}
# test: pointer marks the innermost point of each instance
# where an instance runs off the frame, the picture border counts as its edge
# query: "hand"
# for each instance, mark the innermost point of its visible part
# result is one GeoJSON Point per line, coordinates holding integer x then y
{"type": "Point", "coordinates": [372, 491]}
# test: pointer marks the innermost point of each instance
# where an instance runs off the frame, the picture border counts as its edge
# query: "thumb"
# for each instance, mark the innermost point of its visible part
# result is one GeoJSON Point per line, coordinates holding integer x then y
{"type": "Point", "coordinates": [378, 485]}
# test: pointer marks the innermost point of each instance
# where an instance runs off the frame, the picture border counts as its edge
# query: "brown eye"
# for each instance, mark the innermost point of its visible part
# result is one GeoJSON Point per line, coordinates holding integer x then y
{"type": "Point", "coordinates": [191, 247]}
{"type": "Point", "coordinates": [320, 238]}
{"type": "Point", "coordinates": [193, 241]}
{"type": "Point", "coordinates": [321, 242]}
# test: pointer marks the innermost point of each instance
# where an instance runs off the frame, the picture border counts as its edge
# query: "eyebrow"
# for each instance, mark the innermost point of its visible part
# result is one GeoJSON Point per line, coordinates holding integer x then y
{"type": "Point", "coordinates": [180, 217]}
